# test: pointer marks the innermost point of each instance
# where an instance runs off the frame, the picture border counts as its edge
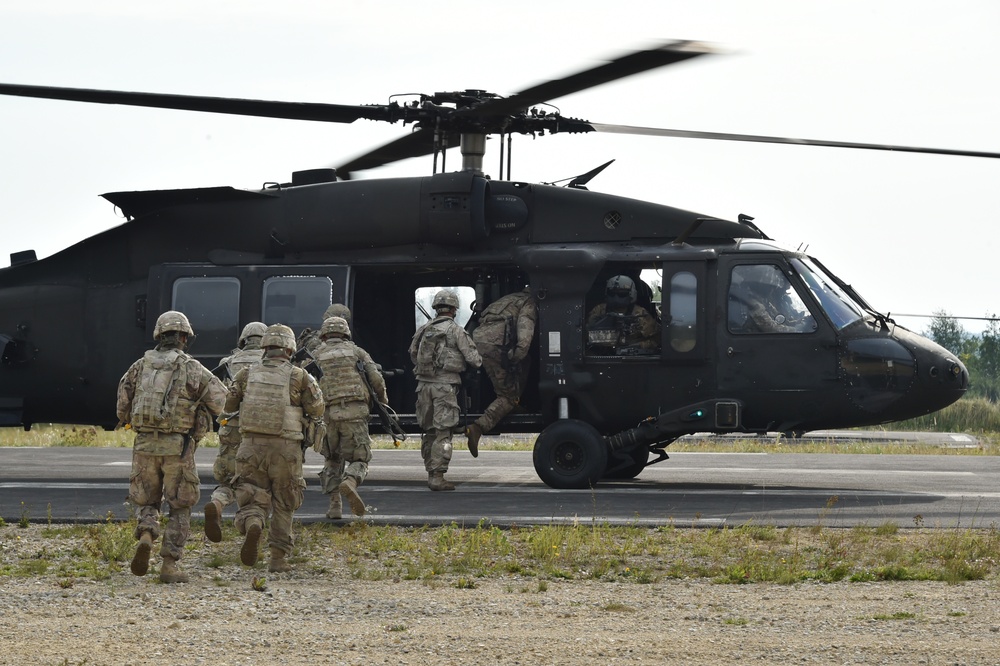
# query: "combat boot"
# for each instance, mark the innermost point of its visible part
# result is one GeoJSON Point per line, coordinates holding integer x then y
{"type": "Point", "coordinates": [436, 481]}
{"type": "Point", "coordinates": [248, 553]}
{"type": "Point", "coordinates": [474, 432]}
{"type": "Point", "coordinates": [170, 572]}
{"type": "Point", "coordinates": [213, 521]}
{"type": "Point", "coordinates": [140, 561]}
{"type": "Point", "coordinates": [336, 510]}
{"type": "Point", "coordinates": [278, 563]}
{"type": "Point", "coordinates": [349, 490]}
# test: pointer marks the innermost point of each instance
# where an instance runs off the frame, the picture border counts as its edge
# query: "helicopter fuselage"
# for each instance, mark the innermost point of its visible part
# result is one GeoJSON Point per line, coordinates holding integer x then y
{"type": "Point", "coordinates": [71, 324]}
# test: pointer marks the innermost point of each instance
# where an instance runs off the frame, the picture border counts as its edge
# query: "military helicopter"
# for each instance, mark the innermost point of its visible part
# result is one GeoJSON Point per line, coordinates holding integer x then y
{"type": "Point", "coordinates": [753, 337]}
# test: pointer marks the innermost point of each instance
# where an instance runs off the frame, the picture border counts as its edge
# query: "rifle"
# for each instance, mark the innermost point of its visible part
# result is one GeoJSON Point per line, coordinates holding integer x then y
{"type": "Point", "coordinates": [222, 372]}
{"type": "Point", "coordinates": [390, 422]}
{"type": "Point", "coordinates": [303, 357]}
{"type": "Point", "coordinates": [423, 311]}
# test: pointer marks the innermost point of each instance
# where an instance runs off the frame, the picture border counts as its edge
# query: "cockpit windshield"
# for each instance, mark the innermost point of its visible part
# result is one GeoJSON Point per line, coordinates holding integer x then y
{"type": "Point", "coordinates": [839, 306]}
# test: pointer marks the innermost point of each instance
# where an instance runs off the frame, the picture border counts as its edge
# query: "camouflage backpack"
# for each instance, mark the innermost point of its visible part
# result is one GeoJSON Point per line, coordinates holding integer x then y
{"type": "Point", "coordinates": [158, 391]}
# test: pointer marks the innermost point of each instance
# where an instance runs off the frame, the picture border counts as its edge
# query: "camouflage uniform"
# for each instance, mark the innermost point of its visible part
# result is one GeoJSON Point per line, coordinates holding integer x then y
{"type": "Point", "coordinates": [437, 390]}
{"type": "Point", "coordinates": [347, 447]}
{"type": "Point", "coordinates": [506, 320]}
{"type": "Point", "coordinates": [642, 333]}
{"type": "Point", "coordinates": [248, 353]}
{"type": "Point", "coordinates": [224, 469]}
{"type": "Point", "coordinates": [168, 398]}
{"type": "Point", "coordinates": [272, 397]}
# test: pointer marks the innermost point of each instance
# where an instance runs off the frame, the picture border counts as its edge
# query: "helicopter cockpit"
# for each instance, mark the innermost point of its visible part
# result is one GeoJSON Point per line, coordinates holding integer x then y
{"type": "Point", "coordinates": [762, 300]}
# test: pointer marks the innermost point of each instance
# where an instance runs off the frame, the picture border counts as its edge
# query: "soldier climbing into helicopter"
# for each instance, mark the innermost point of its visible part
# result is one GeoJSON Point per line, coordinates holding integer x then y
{"type": "Point", "coordinates": [503, 338]}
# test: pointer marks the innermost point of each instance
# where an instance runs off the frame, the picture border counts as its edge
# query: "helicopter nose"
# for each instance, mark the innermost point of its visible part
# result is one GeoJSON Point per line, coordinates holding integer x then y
{"type": "Point", "coordinates": [941, 377]}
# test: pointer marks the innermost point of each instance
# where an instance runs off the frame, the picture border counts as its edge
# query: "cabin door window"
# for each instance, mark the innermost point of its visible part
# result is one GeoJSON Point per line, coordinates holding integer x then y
{"type": "Point", "coordinates": [212, 305]}
{"type": "Point", "coordinates": [297, 301]}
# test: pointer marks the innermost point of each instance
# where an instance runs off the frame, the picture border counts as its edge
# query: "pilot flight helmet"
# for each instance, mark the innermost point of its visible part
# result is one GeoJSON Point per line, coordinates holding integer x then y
{"type": "Point", "coordinates": [335, 326]}
{"type": "Point", "coordinates": [254, 329]}
{"type": "Point", "coordinates": [620, 292]}
{"type": "Point", "coordinates": [171, 320]}
{"type": "Point", "coordinates": [445, 298]}
{"type": "Point", "coordinates": [279, 335]}
{"type": "Point", "coordinates": [338, 310]}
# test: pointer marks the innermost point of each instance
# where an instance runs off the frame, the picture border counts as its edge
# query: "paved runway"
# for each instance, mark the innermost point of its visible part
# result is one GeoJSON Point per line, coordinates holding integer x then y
{"type": "Point", "coordinates": [689, 489]}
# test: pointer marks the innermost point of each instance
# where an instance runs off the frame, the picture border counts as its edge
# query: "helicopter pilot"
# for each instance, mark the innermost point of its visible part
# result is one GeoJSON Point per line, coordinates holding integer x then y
{"type": "Point", "coordinates": [619, 326]}
{"type": "Point", "coordinates": [770, 306]}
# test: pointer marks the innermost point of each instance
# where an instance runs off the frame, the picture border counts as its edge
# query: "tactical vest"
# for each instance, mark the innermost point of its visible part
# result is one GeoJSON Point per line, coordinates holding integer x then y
{"type": "Point", "coordinates": [244, 358]}
{"type": "Point", "coordinates": [267, 408]}
{"type": "Point", "coordinates": [341, 381]}
{"type": "Point", "coordinates": [159, 404]}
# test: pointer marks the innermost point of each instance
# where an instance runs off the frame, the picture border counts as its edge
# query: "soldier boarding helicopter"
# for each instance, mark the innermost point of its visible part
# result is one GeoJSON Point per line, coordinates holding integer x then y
{"type": "Point", "coordinates": [751, 337]}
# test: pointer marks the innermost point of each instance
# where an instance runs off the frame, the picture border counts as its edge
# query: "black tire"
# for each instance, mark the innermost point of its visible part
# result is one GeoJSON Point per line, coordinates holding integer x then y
{"type": "Point", "coordinates": [570, 454]}
{"type": "Point", "coordinates": [639, 458]}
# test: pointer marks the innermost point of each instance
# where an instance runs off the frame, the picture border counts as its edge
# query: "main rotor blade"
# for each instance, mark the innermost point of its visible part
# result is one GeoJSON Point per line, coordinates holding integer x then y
{"type": "Point", "coordinates": [619, 68]}
{"type": "Point", "coordinates": [416, 144]}
{"type": "Point", "coordinates": [335, 113]}
{"type": "Point", "coordinates": [722, 136]}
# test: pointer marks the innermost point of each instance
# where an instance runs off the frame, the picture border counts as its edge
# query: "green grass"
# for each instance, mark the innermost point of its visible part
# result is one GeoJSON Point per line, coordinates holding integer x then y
{"type": "Point", "coordinates": [460, 556]}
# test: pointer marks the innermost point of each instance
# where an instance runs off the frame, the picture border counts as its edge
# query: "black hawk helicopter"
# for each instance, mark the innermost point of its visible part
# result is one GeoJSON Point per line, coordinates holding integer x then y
{"type": "Point", "coordinates": [754, 337]}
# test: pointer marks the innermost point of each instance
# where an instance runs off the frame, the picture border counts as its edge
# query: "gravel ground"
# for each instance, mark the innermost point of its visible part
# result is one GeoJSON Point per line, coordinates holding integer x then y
{"type": "Point", "coordinates": [304, 617]}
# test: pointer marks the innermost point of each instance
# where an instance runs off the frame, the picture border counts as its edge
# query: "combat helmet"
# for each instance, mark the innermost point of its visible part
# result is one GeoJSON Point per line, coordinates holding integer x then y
{"type": "Point", "coordinates": [171, 320]}
{"type": "Point", "coordinates": [338, 310]}
{"type": "Point", "coordinates": [445, 298]}
{"type": "Point", "coordinates": [279, 335]}
{"type": "Point", "coordinates": [254, 329]}
{"type": "Point", "coordinates": [335, 326]}
{"type": "Point", "coordinates": [620, 292]}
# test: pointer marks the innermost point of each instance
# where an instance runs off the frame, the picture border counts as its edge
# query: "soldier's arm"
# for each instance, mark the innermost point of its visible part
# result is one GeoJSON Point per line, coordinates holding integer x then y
{"type": "Point", "coordinates": [374, 377]}
{"type": "Point", "coordinates": [414, 343]}
{"type": "Point", "coordinates": [126, 391]}
{"type": "Point", "coordinates": [235, 394]}
{"type": "Point", "coordinates": [311, 396]}
{"type": "Point", "coordinates": [212, 390]}
{"type": "Point", "coordinates": [467, 347]}
{"type": "Point", "coordinates": [526, 319]}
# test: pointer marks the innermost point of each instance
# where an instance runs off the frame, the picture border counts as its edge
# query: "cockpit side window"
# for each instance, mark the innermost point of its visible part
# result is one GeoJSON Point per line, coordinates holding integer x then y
{"type": "Point", "coordinates": [761, 300]}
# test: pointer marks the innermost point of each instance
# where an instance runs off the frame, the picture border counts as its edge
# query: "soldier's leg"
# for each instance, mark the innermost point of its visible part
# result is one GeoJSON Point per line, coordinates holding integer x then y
{"type": "Point", "coordinates": [224, 468]}
{"type": "Point", "coordinates": [357, 450]}
{"type": "Point", "coordinates": [145, 495]}
{"type": "Point", "coordinates": [425, 419]}
{"type": "Point", "coordinates": [445, 417]}
{"type": "Point", "coordinates": [181, 487]}
{"type": "Point", "coordinates": [287, 492]}
{"type": "Point", "coordinates": [253, 494]}
{"type": "Point", "coordinates": [332, 473]}
{"type": "Point", "coordinates": [333, 466]}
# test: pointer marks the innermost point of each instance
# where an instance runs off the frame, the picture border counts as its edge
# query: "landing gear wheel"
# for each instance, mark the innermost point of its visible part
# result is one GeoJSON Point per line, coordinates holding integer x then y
{"type": "Point", "coordinates": [570, 454]}
{"type": "Point", "coordinates": [639, 458]}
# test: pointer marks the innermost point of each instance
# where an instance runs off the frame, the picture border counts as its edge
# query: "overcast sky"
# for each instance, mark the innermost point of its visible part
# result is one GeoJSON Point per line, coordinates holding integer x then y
{"type": "Point", "coordinates": [913, 233]}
